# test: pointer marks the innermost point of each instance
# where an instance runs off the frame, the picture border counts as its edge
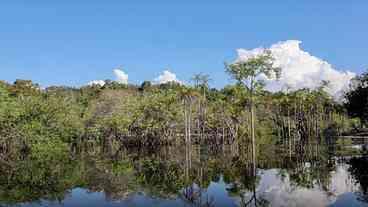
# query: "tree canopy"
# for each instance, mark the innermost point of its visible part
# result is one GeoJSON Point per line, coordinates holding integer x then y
{"type": "Point", "coordinates": [357, 98]}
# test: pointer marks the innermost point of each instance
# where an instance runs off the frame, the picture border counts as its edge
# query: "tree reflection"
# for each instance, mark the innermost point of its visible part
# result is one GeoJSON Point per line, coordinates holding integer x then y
{"type": "Point", "coordinates": [249, 182]}
{"type": "Point", "coordinates": [358, 169]}
{"type": "Point", "coordinates": [196, 196]}
{"type": "Point", "coordinates": [183, 173]}
{"type": "Point", "coordinates": [33, 180]}
{"type": "Point", "coordinates": [161, 178]}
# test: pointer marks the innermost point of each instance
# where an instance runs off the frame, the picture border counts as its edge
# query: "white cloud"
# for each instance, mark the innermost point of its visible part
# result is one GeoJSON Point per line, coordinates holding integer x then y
{"type": "Point", "coordinates": [121, 76]}
{"type": "Point", "coordinates": [300, 69]}
{"type": "Point", "coordinates": [166, 77]}
{"type": "Point", "coordinates": [96, 82]}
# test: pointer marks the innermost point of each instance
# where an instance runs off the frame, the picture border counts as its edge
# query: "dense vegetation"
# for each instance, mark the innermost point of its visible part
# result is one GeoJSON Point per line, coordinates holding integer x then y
{"type": "Point", "coordinates": [58, 138]}
{"type": "Point", "coordinates": [357, 98]}
{"type": "Point", "coordinates": [36, 122]}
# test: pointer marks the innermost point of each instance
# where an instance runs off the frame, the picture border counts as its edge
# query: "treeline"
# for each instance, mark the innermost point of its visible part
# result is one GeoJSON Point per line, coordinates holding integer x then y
{"type": "Point", "coordinates": [36, 121]}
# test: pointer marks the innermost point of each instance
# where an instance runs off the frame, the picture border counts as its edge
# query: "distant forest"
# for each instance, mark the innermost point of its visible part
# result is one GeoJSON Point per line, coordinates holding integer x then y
{"type": "Point", "coordinates": [36, 122]}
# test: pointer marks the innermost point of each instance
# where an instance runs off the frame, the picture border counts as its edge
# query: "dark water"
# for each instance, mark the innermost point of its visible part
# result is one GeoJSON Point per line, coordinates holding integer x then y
{"type": "Point", "coordinates": [180, 176]}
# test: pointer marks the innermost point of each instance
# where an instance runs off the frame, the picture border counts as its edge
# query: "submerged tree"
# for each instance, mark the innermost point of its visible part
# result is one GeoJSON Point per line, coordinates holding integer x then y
{"type": "Point", "coordinates": [188, 96]}
{"type": "Point", "coordinates": [201, 83]}
{"type": "Point", "coordinates": [248, 73]}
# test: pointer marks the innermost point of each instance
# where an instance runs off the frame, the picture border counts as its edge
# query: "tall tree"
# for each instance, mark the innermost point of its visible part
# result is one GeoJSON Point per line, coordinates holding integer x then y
{"type": "Point", "coordinates": [247, 73]}
{"type": "Point", "coordinates": [201, 83]}
{"type": "Point", "coordinates": [188, 96]}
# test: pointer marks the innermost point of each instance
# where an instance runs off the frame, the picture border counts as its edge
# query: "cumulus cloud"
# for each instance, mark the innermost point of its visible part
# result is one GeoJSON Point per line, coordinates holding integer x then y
{"type": "Point", "coordinates": [166, 77]}
{"type": "Point", "coordinates": [121, 76]}
{"type": "Point", "coordinates": [300, 69]}
{"type": "Point", "coordinates": [96, 82]}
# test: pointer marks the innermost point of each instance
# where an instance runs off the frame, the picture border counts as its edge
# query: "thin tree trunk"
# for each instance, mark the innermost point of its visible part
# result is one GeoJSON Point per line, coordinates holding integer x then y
{"type": "Point", "coordinates": [253, 133]}
{"type": "Point", "coordinates": [289, 132]}
{"type": "Point", "coordinates": [189, 121]}
{"type": "Point", "coordinates": [253, 138]}
{"type": "Point", "coordinates": [186, 115]}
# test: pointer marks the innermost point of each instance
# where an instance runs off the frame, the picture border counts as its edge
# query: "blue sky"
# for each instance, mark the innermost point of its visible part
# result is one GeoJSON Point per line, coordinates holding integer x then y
{"type": "Point", "coordinates": [72, 42]}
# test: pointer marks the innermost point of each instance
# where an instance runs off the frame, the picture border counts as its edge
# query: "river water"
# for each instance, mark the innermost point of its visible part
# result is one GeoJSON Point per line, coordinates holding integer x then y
{"type": "Point", "coordinates": [185, 177]}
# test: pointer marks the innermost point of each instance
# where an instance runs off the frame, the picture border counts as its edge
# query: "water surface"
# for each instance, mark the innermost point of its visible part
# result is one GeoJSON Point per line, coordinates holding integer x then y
{"type": "Point", "coordinates": [185, 177]}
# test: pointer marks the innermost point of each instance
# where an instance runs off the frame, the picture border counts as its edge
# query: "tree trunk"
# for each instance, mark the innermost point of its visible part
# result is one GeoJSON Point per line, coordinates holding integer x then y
{"type": "Point", "coordinates": [185, 122]}
{"type": "Point", "coordinates": [253, 135]}
{"type": "Point", "coordinates": [289, 132]}
{"type": "Point", "coordinates": [189, 122]}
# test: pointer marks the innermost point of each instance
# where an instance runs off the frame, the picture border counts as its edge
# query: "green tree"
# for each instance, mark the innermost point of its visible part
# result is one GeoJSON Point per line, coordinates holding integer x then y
{"type": "Point", "coordinates": [145, 85]}
{"type": "Point", "coordinates": [357, 98]}
{"type": "Point", "coordinates": [247, 73]}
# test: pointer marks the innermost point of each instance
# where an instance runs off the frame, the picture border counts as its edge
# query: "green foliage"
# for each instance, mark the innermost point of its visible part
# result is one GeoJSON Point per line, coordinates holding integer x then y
{"type": "Point", "coordinates": [357, 98]}
{"type": "Point", "coordinates": [41, 130]}
{"type": "Point", "coordinates": [63, 117]}
{"type": "Point", "coordinates": [344, 147]}
{"type": "Point", "coordinates": [122, 167]}
{"type": "Point", "coordinates": [37, 123]}
{"type": "Point", "coordinates": [246, 72]}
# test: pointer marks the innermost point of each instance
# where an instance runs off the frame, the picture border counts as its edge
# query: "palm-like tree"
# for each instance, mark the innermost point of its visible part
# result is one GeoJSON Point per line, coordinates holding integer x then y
{"type": "Point", "coordinates": [188, 96]}
{"type": "Point", "coordinates": [201, 81]}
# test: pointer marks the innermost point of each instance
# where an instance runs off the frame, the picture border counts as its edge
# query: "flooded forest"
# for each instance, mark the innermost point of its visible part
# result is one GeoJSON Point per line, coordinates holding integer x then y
{"type": "Point", "coordinates": [183, 144]}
